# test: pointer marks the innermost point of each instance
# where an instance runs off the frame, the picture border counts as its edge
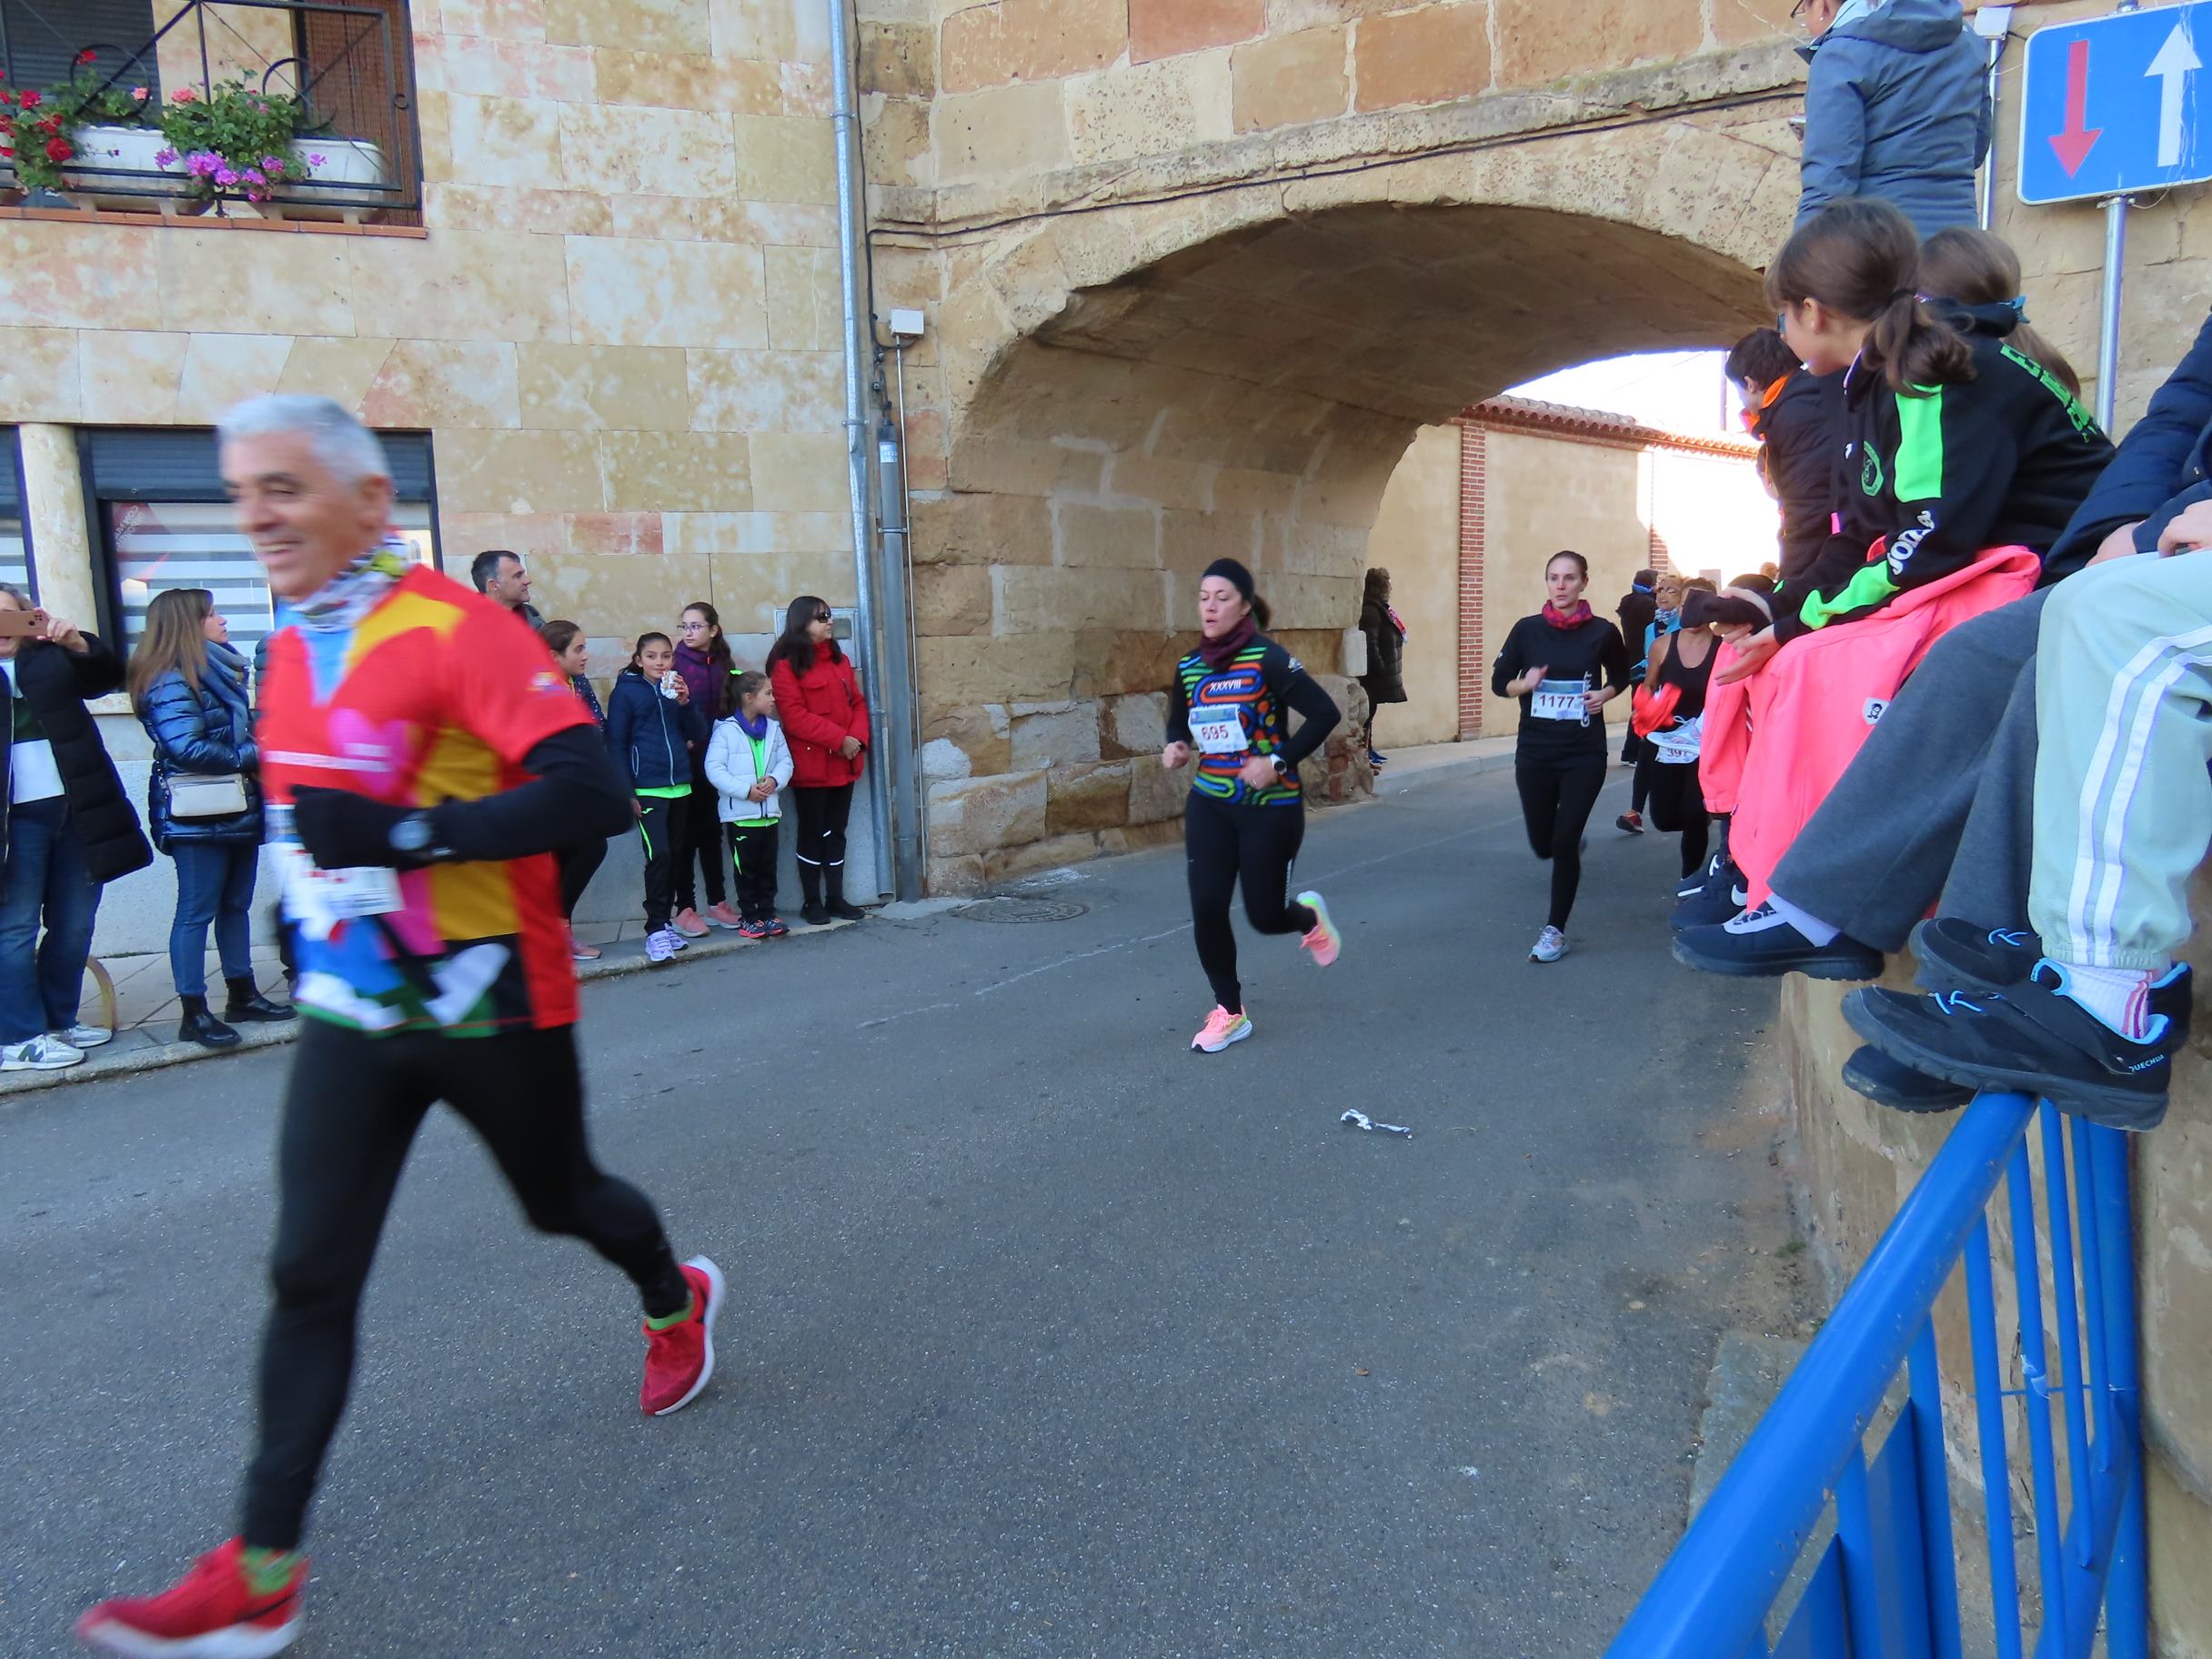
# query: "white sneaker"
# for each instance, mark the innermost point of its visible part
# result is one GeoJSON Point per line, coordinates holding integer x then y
{"type": "Point", "coordinates": [47, 1053]}
{"type": "Point", "coordinates": [1550, 946]}
{"type": "Point", "coordinates": [662, 946]}
{"type": "Point", "coordinates": [86, 1036]}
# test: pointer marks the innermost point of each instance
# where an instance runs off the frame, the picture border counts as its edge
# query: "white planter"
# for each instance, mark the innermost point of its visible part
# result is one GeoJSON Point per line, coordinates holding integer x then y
{"type": "Point", "coordinates": [129, 178]}
{"type": "Point", "coordinates": [344, 188]}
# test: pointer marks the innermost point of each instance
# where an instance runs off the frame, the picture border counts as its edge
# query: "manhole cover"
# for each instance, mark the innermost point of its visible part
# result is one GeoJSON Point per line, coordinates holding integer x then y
{"type": "Point", "coordinates": [1022, 909]}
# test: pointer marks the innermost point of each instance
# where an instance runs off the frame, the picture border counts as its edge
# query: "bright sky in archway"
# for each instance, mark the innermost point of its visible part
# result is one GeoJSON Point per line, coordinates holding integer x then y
{"type": "Point", "coordinates": [1676, 391]}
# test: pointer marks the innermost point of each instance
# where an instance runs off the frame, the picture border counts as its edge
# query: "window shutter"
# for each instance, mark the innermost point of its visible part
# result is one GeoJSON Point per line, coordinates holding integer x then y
{"type": "Point", "coordinates": [178, 464]}
{"type": "Point", "coordinates": [43, 37]}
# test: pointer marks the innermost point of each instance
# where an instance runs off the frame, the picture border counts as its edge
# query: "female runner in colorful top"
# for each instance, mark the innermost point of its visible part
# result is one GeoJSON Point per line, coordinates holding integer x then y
{"type": "Point", "coordinates": [1231, 703]}
{"type": "Point", "coordinates": [1551, 662]}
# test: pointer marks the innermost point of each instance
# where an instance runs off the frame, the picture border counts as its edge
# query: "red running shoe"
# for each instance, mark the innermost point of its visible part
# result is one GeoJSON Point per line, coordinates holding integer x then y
{"type": "Point", "coordinates": [212, 1612]}
{"type": "Point", "coordinates": [679, 1359]}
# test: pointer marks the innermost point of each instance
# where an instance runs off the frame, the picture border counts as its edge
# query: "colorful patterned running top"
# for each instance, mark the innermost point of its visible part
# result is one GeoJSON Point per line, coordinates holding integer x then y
{"type": "Point", "coordinates": [1228, 714]}
{"type": "Point", "coordinates": [436, 694]}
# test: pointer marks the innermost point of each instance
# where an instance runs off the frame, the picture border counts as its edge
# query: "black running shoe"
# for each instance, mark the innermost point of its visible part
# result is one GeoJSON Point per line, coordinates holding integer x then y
{"type": "Point", "coordinates": [1723, 895]}
{"type": "Point", "coordinates": [1890, 1083]}
{"type": "Point", "coordinates": [2028, 1039]}
{"type": "Point", "coordinates": [1956, 955]}
{"type": "Point", "coordinates": [1760, 944]}
{"type": "Point", "coordinates": [1631, 822]}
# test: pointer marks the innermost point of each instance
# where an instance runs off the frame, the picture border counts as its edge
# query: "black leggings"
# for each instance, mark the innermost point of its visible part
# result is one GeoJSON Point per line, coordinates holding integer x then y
{"type": "Point", "coordinates": [660, 828]}
{"type": "Point", "coordinates": [350, 1113]}
{"type": "Point", "coordinates": [1556, 797]}
{"type": "Point", "coordinates": [579, 864]}
{"type": "Point", "coordinates": [1221, 843]}
{"type": "Point", "coordinates": [822, 814]}
{"type": "Point", "coordinates": [1678, 803]}
{"type": "Point", "coordinates": [702, 846]}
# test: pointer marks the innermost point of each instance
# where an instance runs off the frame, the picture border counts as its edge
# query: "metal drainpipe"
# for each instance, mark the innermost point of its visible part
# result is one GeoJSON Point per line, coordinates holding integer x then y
{"type": "Point", "coordinates": [859, 338]}
{"type": "Point", "coordinates": [1992, 22]}
{"type": "Point", "coordinates": [898, 655]}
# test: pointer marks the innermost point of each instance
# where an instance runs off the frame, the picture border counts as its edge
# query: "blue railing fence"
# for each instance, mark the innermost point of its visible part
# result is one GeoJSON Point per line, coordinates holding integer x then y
{"type": "Point", "coordinates": [2040, 1517]}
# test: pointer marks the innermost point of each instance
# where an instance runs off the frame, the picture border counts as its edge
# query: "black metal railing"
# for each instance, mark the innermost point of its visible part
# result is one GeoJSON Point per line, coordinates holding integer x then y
{"type": "Point", "coordinates": [349, 63]}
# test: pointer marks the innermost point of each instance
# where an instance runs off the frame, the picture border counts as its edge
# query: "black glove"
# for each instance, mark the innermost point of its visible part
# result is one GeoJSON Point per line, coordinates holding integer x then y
{"type": "Point", "coordinates": [340, 829]}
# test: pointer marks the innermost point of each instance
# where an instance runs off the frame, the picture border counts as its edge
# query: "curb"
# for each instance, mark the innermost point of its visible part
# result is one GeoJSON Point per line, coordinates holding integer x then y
{"type": "Point", "coordinates": [128, 1058]}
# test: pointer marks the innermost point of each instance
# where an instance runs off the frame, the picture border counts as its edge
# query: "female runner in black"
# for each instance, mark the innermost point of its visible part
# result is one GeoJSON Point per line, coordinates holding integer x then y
{"type": "Point", "coordinates": [1554, 661]}
{"type": "Point", "coordinates": [1671, 714]}
{"type": "Point", "coordinates": [1231, 704]}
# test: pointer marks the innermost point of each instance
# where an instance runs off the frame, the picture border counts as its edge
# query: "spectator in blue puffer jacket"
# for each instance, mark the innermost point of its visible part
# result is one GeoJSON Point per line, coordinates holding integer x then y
{"type": "Point", "coordinates": [652, 728]}
{"type": "Point", "coordinates": [189, 688]}
{"type": "Point", "coordinates": [1896, 106]}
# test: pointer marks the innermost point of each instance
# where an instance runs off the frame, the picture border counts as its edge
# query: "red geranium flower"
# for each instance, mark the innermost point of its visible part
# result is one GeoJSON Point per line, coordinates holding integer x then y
{"type": "Point", "coordinates": [59, 149]}
{"type": "Point", "coordinates": [31, 100]}
{"type": "Point", "coordinates": [88, 57]}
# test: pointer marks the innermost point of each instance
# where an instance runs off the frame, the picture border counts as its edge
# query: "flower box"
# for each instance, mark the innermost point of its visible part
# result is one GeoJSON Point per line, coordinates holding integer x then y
{"type": "Point", "coordinates": [116, 169]}
{"type": "Point", "coordinates": [347, 177]}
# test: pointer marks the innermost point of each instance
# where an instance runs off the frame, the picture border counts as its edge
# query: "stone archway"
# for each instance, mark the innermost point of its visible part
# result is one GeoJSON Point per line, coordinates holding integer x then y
{"type": "Point", "coordinates": [1131, 394]}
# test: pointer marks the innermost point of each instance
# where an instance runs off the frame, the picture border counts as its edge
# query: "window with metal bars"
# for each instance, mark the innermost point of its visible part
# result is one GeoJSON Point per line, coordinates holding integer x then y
{"type": "Point", "coordinates": [40, 39]}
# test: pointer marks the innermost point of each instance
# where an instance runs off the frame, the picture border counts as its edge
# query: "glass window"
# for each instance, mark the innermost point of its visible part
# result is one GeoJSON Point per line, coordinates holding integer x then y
{"type": "Point", "coordinates": [14, 547]}
{"type": "Point", "coordinates": [158, 545]}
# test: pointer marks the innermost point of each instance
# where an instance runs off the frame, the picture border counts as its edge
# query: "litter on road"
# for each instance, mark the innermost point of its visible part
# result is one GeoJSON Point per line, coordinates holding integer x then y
{"type": "Point", "coordinates": [1366, 1123]}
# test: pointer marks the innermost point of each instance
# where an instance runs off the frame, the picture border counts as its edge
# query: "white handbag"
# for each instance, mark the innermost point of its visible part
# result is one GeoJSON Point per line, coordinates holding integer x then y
{"type": "Point", "coordinates": [207, 794]}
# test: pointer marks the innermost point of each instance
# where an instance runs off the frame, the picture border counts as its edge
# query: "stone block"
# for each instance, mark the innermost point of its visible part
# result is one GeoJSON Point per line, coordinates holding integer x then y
{"type": "Point", "coordinates": [765, 30]}
{"type": "Point", "coordinates": [1086, 798]}
{"type": "Point", "coordinates": [805, 299]}
{"type": "Point", "coordinates": [945, 877]}
{"type": "Point", "coordinates": [1156, 795]}
{"type": "Point", "coordinates": [986, 529]}
{"type": "Point", "coordinates": [895, 141]}
{"type": "Point", "coordinates": [674, 80]}
{"type": "Point", "coordinates": [1028, 40]}
{"type": "Point", "coordinates": [785, 158]}
{"type": "Point", "coordinates": [1133, 725]}
{"type": "Point", "coordinates": [945, 761]}
{"type": "Point", "coordinates": [1033, 598]}
{"type": "Point", "coordinates": [1015, 861]}
{"type": "Point", "coordinates": [984, 733]}
{"type": "Point", "coordinates": [631, 388]}
{"type": "Point", "coordinates": [965, 671]}
{"type": "Point", "coordinates": [512, 143]}
{"type": "Point", "coordinates": [800, 472]}
{"type": "Point", "coordinates": [640, 25]}
{"type": "Point", "coordinates": [767, 391]}
{"type": "Point", "coordinates": [535, 536]}
{"type": "Point", "coordinates": [212, 280]}
{"type": "Point", "coordinates": [1742, 21]}
{"type": "Point", "coordinates": [1425, 57]}
{"type": "Point", "coordinates": [1287, 81]}
{"type": "Point", "coordinates": [1544, 41]}
{"type": "Point", "coordinates": [1150, 108]}
{"type": "Point", "coordinates": [459, 284]}
{"type": "Point", "coordinates": [632, 293]}
{"type": "Point", "coordinates": [615, 149]}
{"type": "Point", "coordinates": [503, 69]}
{"type": "Point", "coordinates": [615, 535]}
{"type": "Point", "coordinates": [41, 377]}
{"type": "Point", "coordinates": [1110, 661]}
{"type": "Point", "coordinates": [1006, 131]}
{"type": "Point", "coordinates": [120, 376]}
{"type": "Point", "coordinates": [517, 472]}
{"type": "Point", "coordinates": [676, 471]}
{"type": "Point", "coordinates": [60, 275]}
{"type": "Point", "coordinates": [976, 816]}
{"type": "Point", "coordinates": [898, 59]}
{"type": "Point", "coordinates": [1061, 734]}
{"type": "Point", "coordinates": [506, 19]}
{"type": "Point", "coordinates": [1171, 483]}
{"type": "Point", "coordinates": [343, 369]}
{"type": "Point", "coordinates": [1189, 542]}
{"type": "Point", "coordinates": [951, 599]}
{"type": "Point", "coordinates": [1166, 28]}
{"type": "Point", "coordinates": [1113, 538]}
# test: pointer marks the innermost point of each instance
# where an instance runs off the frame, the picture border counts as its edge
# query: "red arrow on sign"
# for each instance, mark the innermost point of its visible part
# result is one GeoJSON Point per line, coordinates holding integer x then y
{"type": "Point", "coordinates": [2074, 144]}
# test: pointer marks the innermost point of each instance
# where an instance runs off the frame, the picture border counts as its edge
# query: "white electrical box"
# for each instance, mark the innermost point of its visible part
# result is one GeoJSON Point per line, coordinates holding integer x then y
{"type": "Point", "coordinates": [907, 325]}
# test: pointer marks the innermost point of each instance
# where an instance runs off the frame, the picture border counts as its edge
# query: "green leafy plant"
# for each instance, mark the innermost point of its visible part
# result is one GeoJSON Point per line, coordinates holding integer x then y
{"type": "Point", "coordinates": [38, 129]}
{"type": "Point", "coordinates": [235, 139]}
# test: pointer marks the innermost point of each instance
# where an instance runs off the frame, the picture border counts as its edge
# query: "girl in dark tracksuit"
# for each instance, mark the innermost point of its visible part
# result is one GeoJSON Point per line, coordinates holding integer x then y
{"type": "Point", "coordinates": [652, 725]}
{"type": "Point", "coordinates": [1681, 667]}
{"type": "Point", "coordinates": [1230, 704]}
{"type": "Point", "coordinates": [1554, 661]}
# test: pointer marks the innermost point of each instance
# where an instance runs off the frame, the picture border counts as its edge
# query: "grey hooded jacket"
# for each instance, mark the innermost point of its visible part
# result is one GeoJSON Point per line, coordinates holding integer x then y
{"type": "Point", "coordinates": [1896, 106]}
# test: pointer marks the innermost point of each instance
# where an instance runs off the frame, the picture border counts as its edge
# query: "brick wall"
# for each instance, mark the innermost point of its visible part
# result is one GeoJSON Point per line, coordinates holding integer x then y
{"type": "Point", "coordinates": [1473, 462]}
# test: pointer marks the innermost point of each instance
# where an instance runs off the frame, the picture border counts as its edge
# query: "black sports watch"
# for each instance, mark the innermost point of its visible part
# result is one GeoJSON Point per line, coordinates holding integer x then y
{"type": "Point", "coordinates": [415, 836]}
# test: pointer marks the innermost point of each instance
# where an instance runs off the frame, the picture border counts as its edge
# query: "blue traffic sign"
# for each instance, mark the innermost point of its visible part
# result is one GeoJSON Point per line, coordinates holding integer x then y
{"type": "Point", "coordinates": [2112, 105]}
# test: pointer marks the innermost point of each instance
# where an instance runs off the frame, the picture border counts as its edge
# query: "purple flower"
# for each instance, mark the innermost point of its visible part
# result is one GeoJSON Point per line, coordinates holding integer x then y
{"type": "Point", "coordinates": [201, 164]}
{"type": "Point", "coordinates": [164, 158]}
{"type": "Point", "coordinates": [254, 175]}
{"type": "Point", "coordinates": [226, 177]}
{"type": "Point", "coordinates": [315, 161]}
{"type": "Point", "coordinates": [272, 163]}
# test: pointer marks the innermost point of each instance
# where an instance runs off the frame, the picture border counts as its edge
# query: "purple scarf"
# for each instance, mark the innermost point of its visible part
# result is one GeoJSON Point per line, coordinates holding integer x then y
{"type": "Point", "coordinates": [1219, 653]}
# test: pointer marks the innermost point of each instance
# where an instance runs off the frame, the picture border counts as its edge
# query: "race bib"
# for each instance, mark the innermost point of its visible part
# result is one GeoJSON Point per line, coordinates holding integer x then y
{"type": "Point", "coordinates": [1219, 731]}
{"type": "Point", "coordinates": [1560, 699]}
{"type": "Point", "coordinates": [318, 899]}
{"type": "Point", "coordinates": [1681, 745]}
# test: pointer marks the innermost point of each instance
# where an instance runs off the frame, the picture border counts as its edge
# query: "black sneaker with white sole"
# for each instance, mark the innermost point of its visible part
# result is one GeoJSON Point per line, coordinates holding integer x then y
{"type": "Point", "coordinates": [1956, 955]}
{"type": "Point", "coordinates": [1724, 895]}
{"type": "Point", "coordinates": [1893, 1083]}
{"type": "Point", "coordinates": [1762, 942]}
{"type": "Point", "coordinates": [2030, 1039]}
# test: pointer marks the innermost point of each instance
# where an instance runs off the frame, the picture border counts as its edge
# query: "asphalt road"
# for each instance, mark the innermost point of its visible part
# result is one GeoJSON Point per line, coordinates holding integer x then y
{"type": "Point", "coordinates": [1047, 1336]}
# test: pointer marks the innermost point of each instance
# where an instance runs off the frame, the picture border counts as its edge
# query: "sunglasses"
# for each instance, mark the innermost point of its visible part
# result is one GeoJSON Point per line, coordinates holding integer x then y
{"type": "Point", "coordinates": [823, 616]}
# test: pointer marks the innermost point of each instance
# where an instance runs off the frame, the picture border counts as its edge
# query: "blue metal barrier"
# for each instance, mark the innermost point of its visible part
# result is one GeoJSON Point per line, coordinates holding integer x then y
{"type": "Point", "coordinates": [1886, 1585]}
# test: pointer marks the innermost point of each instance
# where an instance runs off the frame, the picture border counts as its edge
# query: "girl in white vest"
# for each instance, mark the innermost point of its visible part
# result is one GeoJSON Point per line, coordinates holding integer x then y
{"type": "Point", "coordinates": [749, 763]}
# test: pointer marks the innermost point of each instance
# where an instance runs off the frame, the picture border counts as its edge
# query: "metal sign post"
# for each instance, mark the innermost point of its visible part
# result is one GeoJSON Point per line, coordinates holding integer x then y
{"type": "Point", "coordinates": [2109, 324]}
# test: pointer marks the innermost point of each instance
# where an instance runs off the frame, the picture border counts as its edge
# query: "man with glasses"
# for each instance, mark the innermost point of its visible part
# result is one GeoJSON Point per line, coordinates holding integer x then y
{"type": "Point", "coordinates": [1896, 106]}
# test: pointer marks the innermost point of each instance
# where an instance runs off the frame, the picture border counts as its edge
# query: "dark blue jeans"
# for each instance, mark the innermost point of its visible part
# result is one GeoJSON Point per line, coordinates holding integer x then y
{"type": "Point", "coordinates": [215, 883]}
{"type": "Point", "coordinates": [41, 981]}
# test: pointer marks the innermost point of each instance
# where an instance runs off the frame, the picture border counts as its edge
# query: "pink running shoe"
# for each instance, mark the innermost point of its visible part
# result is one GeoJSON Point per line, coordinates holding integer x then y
{"type": "Point", "coordinates": [212, 1612]}
{"type": "Point", "coordinates": [679, 1359]}
{"type": "Point", "coordinates": [1222, 1029]}
{"type": "Point", "coordinates": [686, 922]}
{"type": "Point", "coordinates": [723, 915]}
{"type": "Point", "coordinates": [1322, 939]}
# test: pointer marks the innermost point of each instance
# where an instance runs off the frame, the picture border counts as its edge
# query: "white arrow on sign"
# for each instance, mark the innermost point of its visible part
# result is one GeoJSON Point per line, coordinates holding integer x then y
{"type": "Point", "coordinates": [2172, 66]}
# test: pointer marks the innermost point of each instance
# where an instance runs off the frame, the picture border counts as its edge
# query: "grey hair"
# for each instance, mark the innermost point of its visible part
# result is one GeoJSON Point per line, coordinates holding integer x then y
{"type": "Point", "coordinates": [348, 448]}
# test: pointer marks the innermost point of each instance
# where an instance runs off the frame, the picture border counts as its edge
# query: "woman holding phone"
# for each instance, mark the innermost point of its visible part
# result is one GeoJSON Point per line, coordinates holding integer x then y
{"type": "Point", "coordinates": [188, 688]}
{"type": "Point", "coordinates": [66, 828]}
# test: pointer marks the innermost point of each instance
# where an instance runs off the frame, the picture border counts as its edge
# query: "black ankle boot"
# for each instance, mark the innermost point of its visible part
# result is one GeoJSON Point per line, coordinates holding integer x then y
{"type": "Point", "coordinates": [201, 1027]}
{"type": "Point", "coordinates": [833, 895]}
{"type": "Point", "coordinates": [248, 1003]}
{"type": "Point", "coordinates": [810, 910]}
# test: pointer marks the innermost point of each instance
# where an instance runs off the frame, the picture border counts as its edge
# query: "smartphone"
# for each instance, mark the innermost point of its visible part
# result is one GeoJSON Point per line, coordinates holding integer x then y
{"type": "Point", "coordinates": [21, 624]}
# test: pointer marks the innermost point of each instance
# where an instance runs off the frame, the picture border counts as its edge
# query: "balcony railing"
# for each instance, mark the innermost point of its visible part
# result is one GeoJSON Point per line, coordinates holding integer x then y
{"type": "Point", "coordinates": [349, 63]}
{"type": "Point", "coordinates": [1887, 1583]}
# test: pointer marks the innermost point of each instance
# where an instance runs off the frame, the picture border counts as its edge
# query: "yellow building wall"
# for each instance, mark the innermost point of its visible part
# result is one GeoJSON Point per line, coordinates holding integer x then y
{"type": "Point", "coordinates": [1416, 539]}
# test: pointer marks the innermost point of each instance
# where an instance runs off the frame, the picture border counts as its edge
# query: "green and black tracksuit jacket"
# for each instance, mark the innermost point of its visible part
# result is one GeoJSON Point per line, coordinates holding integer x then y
{"type": "Point", "coordinates": [1933, 478]}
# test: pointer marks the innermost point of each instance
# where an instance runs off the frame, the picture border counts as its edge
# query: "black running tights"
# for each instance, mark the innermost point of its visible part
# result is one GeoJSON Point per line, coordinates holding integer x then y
{"type": "Point", "coordinates": [1556, 797]}
{"type": "Point", "coordinates": [1678, 803]}
{"type": "Point", "coordinates": [1223, 843]}
{"type": "Point", "coordinates": [350, 1113]}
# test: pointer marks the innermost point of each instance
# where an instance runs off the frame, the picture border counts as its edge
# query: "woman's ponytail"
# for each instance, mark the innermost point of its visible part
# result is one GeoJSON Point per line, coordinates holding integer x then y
{"type": "Point", "coordinates": [1860, 258]}
{"type": "Point", "coordinates": [1914, 347]}
{"type": "Point", "coordinates": [1262, 613]}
